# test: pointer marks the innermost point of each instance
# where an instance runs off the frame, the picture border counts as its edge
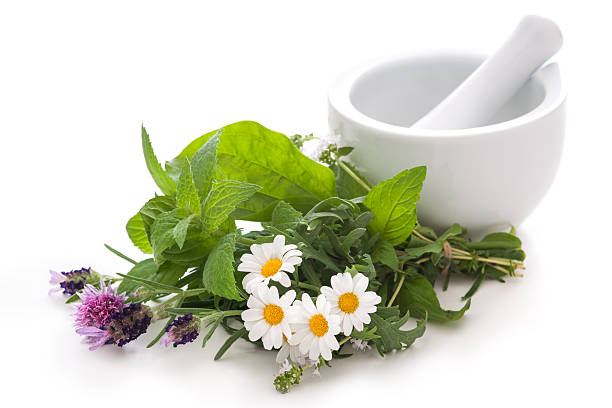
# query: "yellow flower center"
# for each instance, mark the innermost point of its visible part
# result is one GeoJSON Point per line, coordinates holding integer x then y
{"type": "Point", "coordinates": [318, 325]}
{"type": "Point", "coordinates": [348, 302]}
{"type": "Point", "coordinates": [273, 314]}
{"type": "Point", "coordinates": [271, 267]}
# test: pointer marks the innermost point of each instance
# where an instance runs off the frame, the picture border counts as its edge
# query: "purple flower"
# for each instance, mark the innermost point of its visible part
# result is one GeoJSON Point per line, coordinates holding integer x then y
{"type": "Point", "coordinates": [98, 306]}
{"type": "Point", "coordinates": [72, 282]}
{"type": "Point", "coordinates": [184, 329]}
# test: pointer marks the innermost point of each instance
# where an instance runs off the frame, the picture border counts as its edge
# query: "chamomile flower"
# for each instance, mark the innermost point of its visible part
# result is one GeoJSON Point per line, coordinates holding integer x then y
{"type": "Point", "coordinates": [269, 261]}
{"type": "Point", "coordinates": [315, 327]}
{"type": "Point", "coordinates": [348, 299]}
{"type": "Point", "coordinates": [267, 316]}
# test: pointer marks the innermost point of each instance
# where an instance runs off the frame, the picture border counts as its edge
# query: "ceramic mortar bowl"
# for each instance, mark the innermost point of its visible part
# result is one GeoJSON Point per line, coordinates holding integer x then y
{"type": "Point", "coordinates": [485, 178]}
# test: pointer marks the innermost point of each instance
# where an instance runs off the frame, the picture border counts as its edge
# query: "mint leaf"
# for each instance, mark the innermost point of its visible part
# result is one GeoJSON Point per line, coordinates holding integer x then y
{"type": "Point", "coordinates": [218, 273]}
{"type": "Point", "coordinates": [186, 193]}
{"type": "Point", "coordinates": [204, 166]}
{"type": "Point", "coordinates": [162, 231]}
{"type": "Point", "coordinates": [145, 269]}
{"type": "Point", "coordinates": [285, 216]}
{"type": "Point", "coordinates": [153, 208]}
{"type": "Point", "coordinates": [222, 200]}
{"type": "Point", "coordinates": [180, 230]}
{"type": "Point", "coordinates": [249, 152]}
{"type": "Point", "coordinates": [137, 233]}
{"type": "Point", "coordinates": [163, 181]}
{"type": "Point", "coordinates": [384, 253]}
{"type": "Point", "coordinates": [418, 296]}
{"type": "Point", "coordinates": [393, 203]}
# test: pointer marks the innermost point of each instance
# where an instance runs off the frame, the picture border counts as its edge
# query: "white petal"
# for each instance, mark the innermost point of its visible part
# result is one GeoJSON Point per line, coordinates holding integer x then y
{"type": "Point", "coordinates": [298, 336]}
{"type": "Point", "coordinates": [364, 317]}
{"type": "Point", "coordinates": [308, 305]}
{"type": "Point", "coordinates": [321, 303]}
{"type": "Point", "coordinates": [356, 322]}
{"type": "Point", "coordinates": [331, 341]}
{"type": "Point", "coordinates": [287, 267]}
{"type": "Point", "coordinates": [370, 297]}
{"type": "Point", "coordinates": [255, 303]}
{"type": "Point", "coordinates": [289, 247]}
{"type": "Point", "coordinates": [249, 258]}
{"type": "Point", "coordinates": [324, 349]}
{"type": "Point", "coordinates": [347, 281]}
{"type": "Point", "coordinates": [288, 298]}
{"type": "Point", "coordinates": [279, 240]}
{"type": "Point", "coordinates": [277, 336]}
{"type": "Point", "coordinates": [360, 284]}
{"type": "Point", "coordinates": [294, 253]}
{"type": "Point", "coordinates": [267, 340]}
{"type": "Point", "coordinates": [306, 342]}
{"type": "Point", "coordinates": [314, 349]}
{"type": "Point", "coordinates": [335, 283]}
{"type": "Point", "coordinates": [258, 330]}
{"type": "Point", "coordinates": [347, 325]}
{"type": "Point", "coordinates": [268, 250]}
{"type": "Point", "coordinates": [328, 292]}
{"type": "Point", "coordinates": [286, 330]}
{"type": "Point", "coordinates": [252, 314]}
{"type": "Point", "coordinates": [259, 254]}
{"type": "Point", "coordinates": [283, 353]}
{"type": "Point", "coordinates": [283, 279]}
{"type": "Point", "coordinates": [274, 295]}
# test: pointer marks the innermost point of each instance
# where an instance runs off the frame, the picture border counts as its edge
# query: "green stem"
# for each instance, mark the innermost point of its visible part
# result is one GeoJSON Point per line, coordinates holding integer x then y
{"type": "Point", "coordinates": [344, 340]}
{"type": "Point", "coordinates": [353, 175]}
{"type": "Point", "coordinates": [397, 290]}
{"type": "Point", "coordinates": [308, 286]}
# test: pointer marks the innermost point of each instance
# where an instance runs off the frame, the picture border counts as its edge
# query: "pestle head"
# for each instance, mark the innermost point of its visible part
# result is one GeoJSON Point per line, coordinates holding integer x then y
{"type": "Point", "coordinates": [534, 41]}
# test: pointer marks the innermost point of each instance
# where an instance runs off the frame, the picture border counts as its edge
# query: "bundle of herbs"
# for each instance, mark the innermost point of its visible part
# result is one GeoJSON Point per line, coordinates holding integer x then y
{"type": "Point", "coordinates": [336, 260]}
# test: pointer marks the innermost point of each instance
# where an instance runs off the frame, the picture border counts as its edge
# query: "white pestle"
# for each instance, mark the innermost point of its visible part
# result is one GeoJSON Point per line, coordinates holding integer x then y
{"type": "Point", "coordinates": [534, 41]}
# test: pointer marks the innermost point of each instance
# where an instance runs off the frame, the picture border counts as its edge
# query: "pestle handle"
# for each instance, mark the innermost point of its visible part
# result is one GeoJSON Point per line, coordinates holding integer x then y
{"type": "Point", "coordinates": [534, 41]}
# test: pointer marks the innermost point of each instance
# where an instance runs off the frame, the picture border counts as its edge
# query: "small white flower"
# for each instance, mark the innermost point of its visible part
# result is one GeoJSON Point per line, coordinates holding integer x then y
{"type": "Point", "coordinates": [267, 316]}
{"type": "Point", "coordinates": [291, 353]}
{"type": "Point", "coordinates": [348, 298]}
{"type": "Point", "coordinates": [315, 327]}
{"type": "Point", "coordinates": [284, 366]}
{"type": "Point", "coordinates": [269, 261]}
{"type": "Point", "coordinates": [314, 151]}
{"type": "Point", "coordinates": [360, 345]}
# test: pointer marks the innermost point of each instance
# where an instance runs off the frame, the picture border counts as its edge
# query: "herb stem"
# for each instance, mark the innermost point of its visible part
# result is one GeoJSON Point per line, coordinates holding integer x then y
{"type": "Point", "coordinates": [353, 175]}
{"type": "Point", "coordinates": [308, 286]}
{"type": "Point", "coordinates": [397, 290]}
{"type": "Point", "coordinates": [344, 340]}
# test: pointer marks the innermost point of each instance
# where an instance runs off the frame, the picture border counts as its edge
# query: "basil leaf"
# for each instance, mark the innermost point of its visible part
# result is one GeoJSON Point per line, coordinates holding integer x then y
{"type": "Point", "coordinates": [418, 296]}
{"type": "Point", "coordinates": [218, 273]}
{"type": "Point", "coordinates": [163, 181]}
{"type": "Point", "coordinates": [137, 233]}
{"type": "Point", "coordinates": [223, 198]}
{"type": "Point", "coordinates": [186, 193]}
{"type": "Point", "coordinates": [393, 203]}
{"type": "Point", "coordinates": [204, 166]}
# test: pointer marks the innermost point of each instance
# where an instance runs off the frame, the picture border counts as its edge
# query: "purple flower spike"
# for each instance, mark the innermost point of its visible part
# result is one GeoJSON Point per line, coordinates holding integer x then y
{"type": "Point", "coordinates": [72, 282]}
{"type": "Point", "coordinates": [184, 329]}
{"type": "Point", "coordinates": [98, 306]}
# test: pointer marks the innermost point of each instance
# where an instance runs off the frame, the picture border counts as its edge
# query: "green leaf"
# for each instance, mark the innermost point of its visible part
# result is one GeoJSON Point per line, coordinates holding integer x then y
{"type": "Point", "coordinates": [497, 240]}
{"type": "Point", "coordinates": [145, 269]}
{"type": "Point", "coordinates": [228, 343]}
{"type": "Point", "coordinates": [366, 334]}
{"type": "Point", "coordinates": [153, 208]}
{"type": "Point", "coordinates": [249, 152]}
{"type": "Point", "coordinates": [218, 274]}
{"type": "Point", "coordinates": [120, 255]}
{"type": "Point", "coordinates": [163, 181]}
{"type": "Point", "coordinates": [384, 253]}
{"type": "Point", "coordinates": [213, 326]}
{"type": "Point", "coordinates": [418, 296]}
{"type": "Point", "coordinates": [352, 237]}
{"type": "Point", "coordinates": [204, 166]}
{"type": "Point", "coordinates": [393, 203]}
{"type": "Point", "coordinates": [162, 231]}
{"type": "Point", "coordinates": [137, 233]}
{"type": "Point", "coordinates": [180, 230]}
{"type": "Point", "coordinates": [151, 284]}
{"type": "Point", "coordinates": [223, 198]}
{"type": "Point", "coordinates": [186, 194]}
{"type": "Point", "coordinates": [285, 216]}
{"type": "Point", "coordinates": [392, 337]}
{"type": "Point", "coordinates": [346, 186]}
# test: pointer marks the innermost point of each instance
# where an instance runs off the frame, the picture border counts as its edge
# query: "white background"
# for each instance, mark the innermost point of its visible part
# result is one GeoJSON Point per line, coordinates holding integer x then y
{"type": "Point", "coordinates": [78, 78]}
